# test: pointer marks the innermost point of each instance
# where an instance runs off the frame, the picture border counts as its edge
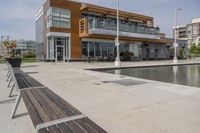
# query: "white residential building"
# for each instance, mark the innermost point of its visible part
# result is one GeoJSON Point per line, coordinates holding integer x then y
{"type": "Point", "coordinates": [189, 32]}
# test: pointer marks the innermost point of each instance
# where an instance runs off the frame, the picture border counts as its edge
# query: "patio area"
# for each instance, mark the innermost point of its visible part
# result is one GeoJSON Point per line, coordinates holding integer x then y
{"type": "Point", "coordinates": [119, 104]}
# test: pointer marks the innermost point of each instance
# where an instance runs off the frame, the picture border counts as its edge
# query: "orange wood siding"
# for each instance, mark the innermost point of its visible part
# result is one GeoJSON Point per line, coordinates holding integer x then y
{"type": "Point", "coordinates": [45, 8]}
{"type": "Point", "coordinates": [76, 49]}
{"type": "Point", "coordinates": [83, 27]}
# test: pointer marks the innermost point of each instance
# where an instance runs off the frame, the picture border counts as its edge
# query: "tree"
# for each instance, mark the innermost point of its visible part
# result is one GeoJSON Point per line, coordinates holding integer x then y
{"type": "Point", "coordinates": [181, 55]}
{"type": "Point", "coordinates": [194, 50]}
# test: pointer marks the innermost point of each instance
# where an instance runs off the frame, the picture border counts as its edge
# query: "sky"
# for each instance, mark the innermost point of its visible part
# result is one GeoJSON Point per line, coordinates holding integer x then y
{"type": "Point", "coordinates": [17, 17]}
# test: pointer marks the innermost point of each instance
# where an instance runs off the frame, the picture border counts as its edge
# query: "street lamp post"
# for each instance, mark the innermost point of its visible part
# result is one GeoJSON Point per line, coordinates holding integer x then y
{"type": "Point", "coordinates": [117, 61]}
{"type": "Point", "coordinates": [175, 38]}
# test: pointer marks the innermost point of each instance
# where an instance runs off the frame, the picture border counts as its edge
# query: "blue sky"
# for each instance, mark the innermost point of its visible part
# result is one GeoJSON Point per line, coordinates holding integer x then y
{"type": "Point", "coordinates": [17, 16]}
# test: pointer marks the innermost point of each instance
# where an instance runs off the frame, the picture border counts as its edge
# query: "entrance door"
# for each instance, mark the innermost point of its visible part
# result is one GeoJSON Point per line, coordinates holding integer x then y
{"type": "Point", "coordinates": [60, 53]}
{"type": "Point", "coordinates": [62, 48]}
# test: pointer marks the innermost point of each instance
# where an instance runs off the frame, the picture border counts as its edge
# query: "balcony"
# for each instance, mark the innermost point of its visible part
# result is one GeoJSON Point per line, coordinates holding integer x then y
{"type": "Point", "coordinates": [127, 28]}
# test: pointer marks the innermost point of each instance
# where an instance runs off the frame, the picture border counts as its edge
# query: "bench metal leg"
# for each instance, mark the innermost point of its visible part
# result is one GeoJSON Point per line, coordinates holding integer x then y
{"type": "Point", "coordinates": [10, 94]}
{"type": "Point", "coordinates": [9, 82]}
{"type": "Point", "coordinates": [8, 77]}
{"type": "Point", "coordinates": [8, 73]}
{"type": "Point", "coordinates": [16, 106]}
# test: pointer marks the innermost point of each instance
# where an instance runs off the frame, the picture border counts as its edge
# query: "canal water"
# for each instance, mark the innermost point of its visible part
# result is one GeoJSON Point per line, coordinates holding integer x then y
{"type": "Point", "coordinates": [188, 75]}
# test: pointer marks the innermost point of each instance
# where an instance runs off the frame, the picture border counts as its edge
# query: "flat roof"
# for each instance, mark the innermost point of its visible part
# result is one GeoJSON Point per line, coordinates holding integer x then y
{"type": "Point", "coordinates": [110, 11]}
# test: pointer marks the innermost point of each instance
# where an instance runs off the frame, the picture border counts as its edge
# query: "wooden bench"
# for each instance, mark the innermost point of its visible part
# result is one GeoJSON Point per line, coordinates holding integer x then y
{"type": "Point", "coordinates": [49, 112]}
{"type": "Point", "coordinates": [52, 114]}
{"type": "Point", "coordinates": [22, 81]}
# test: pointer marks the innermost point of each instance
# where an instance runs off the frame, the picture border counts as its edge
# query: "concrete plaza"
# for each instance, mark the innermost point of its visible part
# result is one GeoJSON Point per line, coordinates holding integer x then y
{"type": "Point", "coordinates": [149, 107]}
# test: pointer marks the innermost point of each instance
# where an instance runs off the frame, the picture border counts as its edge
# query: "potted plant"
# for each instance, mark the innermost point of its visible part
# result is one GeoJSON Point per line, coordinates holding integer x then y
{"type": "Point", "coordinates": [12, 57]}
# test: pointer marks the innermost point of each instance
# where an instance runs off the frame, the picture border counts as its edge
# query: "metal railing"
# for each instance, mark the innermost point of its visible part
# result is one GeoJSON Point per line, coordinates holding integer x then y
{"type": "Point", "coordinates": [129, 27]}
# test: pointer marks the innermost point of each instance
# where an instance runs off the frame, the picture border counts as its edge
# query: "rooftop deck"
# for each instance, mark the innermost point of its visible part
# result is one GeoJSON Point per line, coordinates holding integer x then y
{"type": "Point", "coordinates": [112, 12]}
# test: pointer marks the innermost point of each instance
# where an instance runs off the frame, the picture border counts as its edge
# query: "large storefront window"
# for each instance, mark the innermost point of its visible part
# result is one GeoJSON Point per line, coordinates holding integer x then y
{"type": "Point", "coordinates": [106, 50]}
{"type": "Point", "coordinates": [98, 49]}
{"type": "Point", "coordinates": [58, 17]}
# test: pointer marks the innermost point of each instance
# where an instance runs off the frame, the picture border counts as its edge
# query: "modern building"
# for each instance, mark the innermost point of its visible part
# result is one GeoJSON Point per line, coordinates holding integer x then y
{"type": "Point", "coordinates": [25, 46]}
{"type": "Point", "coordinates": [69, 30]}
{"type": "Point", "coordinates": [189, 32]}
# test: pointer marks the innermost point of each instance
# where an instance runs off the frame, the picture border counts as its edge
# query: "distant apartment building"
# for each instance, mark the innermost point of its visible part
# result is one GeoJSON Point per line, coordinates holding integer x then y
{"type": "Point", "coordinates": [70, 30]}
{"type": "Point", "coordinates": [25, 46]}
{"type": "Point", "coordinates": [189, 32]}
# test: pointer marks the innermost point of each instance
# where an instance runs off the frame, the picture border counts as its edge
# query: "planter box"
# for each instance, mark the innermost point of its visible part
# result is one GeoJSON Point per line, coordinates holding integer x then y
{"type": "Point", "coordinates": [14, 62]}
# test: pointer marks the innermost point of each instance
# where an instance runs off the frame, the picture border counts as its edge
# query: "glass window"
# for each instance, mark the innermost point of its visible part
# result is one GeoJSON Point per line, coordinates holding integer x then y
{"type": "Point", "coordinates": [91, 49]}
{"type": "Point", "coordinates": [104, 50]}
{"type": "Point", "coordinates": [85, 49]}
{"type": "Point", "coordinates": [111, 47]}
{"type": "Point", "coordinates": [97, 49]}
{"type": "Point", "coordinates": [58, 17]}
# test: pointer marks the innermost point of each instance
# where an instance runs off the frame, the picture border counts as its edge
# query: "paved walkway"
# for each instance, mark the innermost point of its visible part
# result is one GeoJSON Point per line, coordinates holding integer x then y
{"type": "Point", "coordinates": [149, 107]}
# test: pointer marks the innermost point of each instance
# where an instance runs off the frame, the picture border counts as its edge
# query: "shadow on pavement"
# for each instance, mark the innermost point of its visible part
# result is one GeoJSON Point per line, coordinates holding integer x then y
{"type": "Point", "coordinates": [29, 66]}
{"type": "Point", "coordinates": [20, 115]}
{"type": "Point", "coordinates": [8, 101]}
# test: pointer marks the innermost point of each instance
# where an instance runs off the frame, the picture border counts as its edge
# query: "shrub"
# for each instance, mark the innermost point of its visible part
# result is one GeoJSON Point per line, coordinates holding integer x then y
{"type": "Point", "coordinates": [126, 56]}
{"type": "Point", "coordinates": [194, 51]}
{"type": "Point", "coordinates": [29, 55]}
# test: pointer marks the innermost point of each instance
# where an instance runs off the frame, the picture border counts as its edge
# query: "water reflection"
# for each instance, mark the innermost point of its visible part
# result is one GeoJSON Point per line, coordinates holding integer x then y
{"type": "Point", "coordinates": [118, 71]}
{"type": "Point", "coordinates": [185, 75]}
{"type": "Point", "coordinates": [175, 70]}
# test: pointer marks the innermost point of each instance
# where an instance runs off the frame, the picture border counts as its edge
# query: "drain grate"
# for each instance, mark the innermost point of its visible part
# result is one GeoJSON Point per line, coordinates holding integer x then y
{"type": "Point", "coordinates": [125, 82]}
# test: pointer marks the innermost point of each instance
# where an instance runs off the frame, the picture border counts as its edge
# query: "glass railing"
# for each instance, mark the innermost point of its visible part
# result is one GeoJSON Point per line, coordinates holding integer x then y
{"type": "Point", "coordinates": [129, 27]}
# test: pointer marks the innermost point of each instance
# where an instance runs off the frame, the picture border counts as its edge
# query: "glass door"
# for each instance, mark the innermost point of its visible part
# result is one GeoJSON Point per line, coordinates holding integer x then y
{"type": "Point", "coordinates": [60, 53]}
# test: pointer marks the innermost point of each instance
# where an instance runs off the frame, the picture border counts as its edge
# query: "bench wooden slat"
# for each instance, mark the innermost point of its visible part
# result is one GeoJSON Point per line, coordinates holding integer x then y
{"type": "Point", "coordinates": [64, 128]}
{"type": "Point", "coordinates": [45, 105]}
{"type": "Point", "coordinates": [51, 104]}
{"type": "Point", "coordinates": [34, 82]}
{"type": "Point", "coordinates": [25, 81]}
{"type": "Point", "coordinates": [75, 127]}
{"type": "Point", "coordinates": [32, 112]}
{"type": "Point", "coordinates": [94, 125]}
{"type": "Point", "coordinates": [20, 83]}
{"type": "Point", "coordinates": [86, 126]}
{"type": "Point", "coordinates": [65, 106]}
{"type": "Point", "coordinates": [43, 115]}
{"type": "Point", "coordinates": [54, 129]}
{"type": "Point", "coordinates": [28, 85]}
{"type": "Point", "coordinates": [44, 130]}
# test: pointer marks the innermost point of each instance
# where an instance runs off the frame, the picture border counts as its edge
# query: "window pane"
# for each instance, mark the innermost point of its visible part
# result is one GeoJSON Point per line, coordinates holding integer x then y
{"type": "Point", "coordinates": [97, 49]}
{"type": "Point", "coordinates": [59, 18]}
{"type": "Point", "coordinates": [91, 48]}
{"type": "Point", "coordinates": [104, 49]}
